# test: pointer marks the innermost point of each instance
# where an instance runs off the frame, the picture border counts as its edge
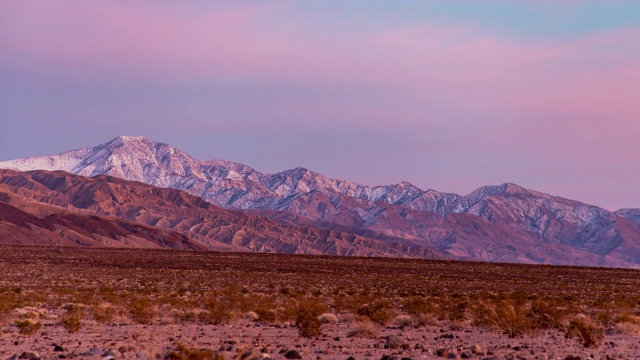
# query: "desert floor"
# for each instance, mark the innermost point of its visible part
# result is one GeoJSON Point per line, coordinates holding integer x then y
{"type": "Point", "coordinates": [110, 303]}
{"type": "Point", "coordinates": [243, 337]}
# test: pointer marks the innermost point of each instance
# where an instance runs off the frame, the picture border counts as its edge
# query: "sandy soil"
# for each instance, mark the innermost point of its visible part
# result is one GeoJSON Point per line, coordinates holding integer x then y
{"type": "Point", "coordinates": [240, 337]}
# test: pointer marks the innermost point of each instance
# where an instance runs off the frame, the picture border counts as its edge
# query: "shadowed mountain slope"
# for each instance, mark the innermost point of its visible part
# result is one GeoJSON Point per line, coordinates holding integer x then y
{"type": "Point", "coordinates": [29, 223]}
{"type": "Point", "coordinates": [185, 215]}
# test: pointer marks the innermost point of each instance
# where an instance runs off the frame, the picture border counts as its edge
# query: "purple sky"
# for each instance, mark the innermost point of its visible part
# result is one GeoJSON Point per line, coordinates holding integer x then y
{"type": "Point", "coordinates": [448, 95]}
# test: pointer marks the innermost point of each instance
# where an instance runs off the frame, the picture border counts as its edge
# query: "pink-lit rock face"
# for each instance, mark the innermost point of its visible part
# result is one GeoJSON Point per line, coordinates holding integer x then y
{"type": "Point", "coordinates": [493, 223]}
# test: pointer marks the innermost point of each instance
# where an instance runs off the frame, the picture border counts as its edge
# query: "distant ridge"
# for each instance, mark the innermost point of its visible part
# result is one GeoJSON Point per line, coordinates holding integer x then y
{"type": "Point", "coordinates": [493, 223]}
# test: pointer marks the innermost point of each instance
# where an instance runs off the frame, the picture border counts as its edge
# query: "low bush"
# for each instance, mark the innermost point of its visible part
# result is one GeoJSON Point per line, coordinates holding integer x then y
{"type": "Point", "coordinates": [416, 305]}
{"type": "Point", "coordinates": [378, 311]}
{"type": "Point", "coordinates": [184, 353]}
{"type": "Point", "coordinates": [104, 314]}
{"type": "Point", "coordinates": [141, 310]}
{"type": "Point", "coordinates": [505, 315]}
{"type": "Point", "coordinates": [307, 319]}
{"type": "Point", "coordinates": [588, 332]}
{"type": "Point", "coordinates": [215, 312]}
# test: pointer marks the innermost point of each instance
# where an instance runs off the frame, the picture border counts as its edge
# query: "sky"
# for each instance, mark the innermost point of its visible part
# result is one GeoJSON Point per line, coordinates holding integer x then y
{"type": "Point", "coordinates": [447, 95]}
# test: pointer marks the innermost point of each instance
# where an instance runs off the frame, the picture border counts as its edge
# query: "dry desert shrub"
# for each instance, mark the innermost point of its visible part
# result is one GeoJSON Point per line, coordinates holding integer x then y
{"type": "Point", "coordinates": [184, 353]}
{"type": "Point", "coordinates": [287, 310]}
{"type": "Point", "coordinates": [340, 301]}
{"type": "Point", "coordinates": [72, 319]}
{"type": "Point", "coordinates": [9, 300]}
{"type": "Point", "coordinates": [507, 316]}
{"type": "Point", "coordinates": [28, 326]}
{"type": "Point", "coordinates": [215, 312]}
{"type": "Point", "coordinates": [264, 306]}
{"type": "Point", "coordinates": [364, 329]}
{"type": "Point", "coordinates": [378, 311]}
{"type": "Point", "coordinates": [453, 309]}
{"type": "Point", "coordinates": [416, 305]}
{"type": "Point", "coordinates": [545, 314]}
{"type": "Point", "coordinates": [589, 332]}
{"type": "Point", "coordinates": [307, 319]}
{"type": "Point", "coordinates": [351, 301]}
{"type": "Point", "coordinates": [248, 355]}
{"type": "Point", "coordinates": [266, 314]}
{"type": "Point", "coordinates": [179, 303]}
{"type": "Point", "coordinates": [104, 313]}
{"type": "Point", "coordinates": [186, 316]}
{"type": "Point", "coordinates": [141, 310]}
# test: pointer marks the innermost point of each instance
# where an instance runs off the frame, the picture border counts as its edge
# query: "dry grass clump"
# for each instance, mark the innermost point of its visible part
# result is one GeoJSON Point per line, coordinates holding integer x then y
{"type": "Point", "coordinates": [328, 318]}
{"type": "Point", "coordinates": [72, 319]}
{"type": "Point", "coordinates": [589, 332]}
{"type": "Point", "coordinates": [459, 325]}
{"type": "Point", "coordinates": [28, 326]}
{"type": "Point", "coordinates": [364, 329]}
{"type": "Point", "coordinates": [403, 321]}
{"type": "Point", "coordinates": [628, 328]}
{"type": "Point", "coordinates": [425, 320]}
{"type": "Point", "coordinates": [251, 315]}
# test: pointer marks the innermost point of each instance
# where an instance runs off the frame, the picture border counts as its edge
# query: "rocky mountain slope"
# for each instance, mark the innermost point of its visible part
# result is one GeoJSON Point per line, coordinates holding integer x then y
{"type": "Point", "coordinates": [29, 223]}
{"type": "Point", "coordinates": [494, 223]}
{"type": "Point", "coordinates": [632, 215]}
{"type": "Point", "coordinates": [108, 211]}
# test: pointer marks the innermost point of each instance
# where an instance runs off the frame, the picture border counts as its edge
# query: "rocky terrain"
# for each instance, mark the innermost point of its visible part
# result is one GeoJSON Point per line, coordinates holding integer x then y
{"type": "Point", "coordinates": [494, 223]}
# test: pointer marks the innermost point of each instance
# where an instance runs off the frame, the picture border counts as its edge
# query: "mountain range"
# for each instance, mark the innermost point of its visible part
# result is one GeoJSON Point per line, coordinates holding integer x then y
{"type": "Point", "coordinates": [504, 222]}
{"type": "Point", "coordinates": [59, 208]}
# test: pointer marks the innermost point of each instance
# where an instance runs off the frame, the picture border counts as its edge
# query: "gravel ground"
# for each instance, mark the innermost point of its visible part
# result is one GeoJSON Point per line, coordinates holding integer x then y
{"type": "Point", "coordinates": [243, 336]}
